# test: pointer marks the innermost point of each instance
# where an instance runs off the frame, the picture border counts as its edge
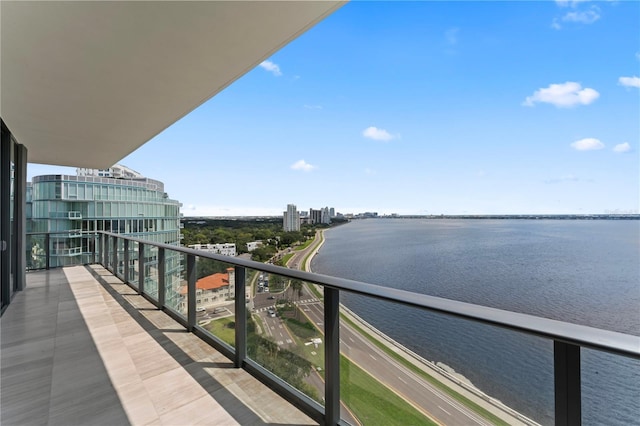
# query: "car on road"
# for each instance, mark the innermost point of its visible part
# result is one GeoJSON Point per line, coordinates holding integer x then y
{"type": "Point", "coordinates": [271, 313]}
{"type": "Point", "coordinates": [271, 297]}
{"type": "Point", "coordinates": [200, 309]}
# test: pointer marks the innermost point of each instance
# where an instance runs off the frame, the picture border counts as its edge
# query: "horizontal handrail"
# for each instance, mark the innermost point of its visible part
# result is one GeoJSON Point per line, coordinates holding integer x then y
{"type": "Point", "coordinates": [576, 334]}
{"type": "Point", "coordinates": [567, 338]}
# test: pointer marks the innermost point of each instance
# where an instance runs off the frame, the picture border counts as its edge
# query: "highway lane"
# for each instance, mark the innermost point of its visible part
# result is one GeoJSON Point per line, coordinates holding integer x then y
{"type": "Point", "coordinates": [411, 387]}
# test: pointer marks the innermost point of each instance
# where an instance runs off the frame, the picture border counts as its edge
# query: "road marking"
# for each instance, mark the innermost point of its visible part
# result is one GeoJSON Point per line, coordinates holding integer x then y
{"type": "Point", "coordinates": [345, 345]}
{"type": "Point", "coordinates": [374, 358]}
{"type": "Point", "coordinates": [350, 339]}
{"type": "Point", "coordinates": [444, 410]}
{"type": "Point", "coordinates": [400, 378]}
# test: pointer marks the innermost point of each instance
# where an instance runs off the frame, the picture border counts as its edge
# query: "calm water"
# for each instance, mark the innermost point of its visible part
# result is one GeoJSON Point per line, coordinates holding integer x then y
{"type": "Point", "coordinates": [585, 272]}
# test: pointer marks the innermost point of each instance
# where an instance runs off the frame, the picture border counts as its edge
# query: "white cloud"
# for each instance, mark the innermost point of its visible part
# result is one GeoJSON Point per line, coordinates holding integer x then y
{"type": "Point", "coordinates": [587, 144]}
{"type": "Point", "coordinates": [638, 56]}
{"type": "Point", "coordinates": [565, 95]}
{"type": "Point", "coordinates": [555, 24]}
{"type": "Point", "coordinates": [572, 3]}
{"type": "Point", "coordinates": [622, 147]}
{"type": "Point", "coordinates": [271, 67]}
{"type": "Point", "coordinates": [378, 134]}
{"type": "Point", "coordinates": [303, 165]}
{"type": "Point", "coordinates": [584, 17]}
{"type": "Point", "coordinates": [629, 81]}
{"type": "Point", "coordinates": [452, 35]}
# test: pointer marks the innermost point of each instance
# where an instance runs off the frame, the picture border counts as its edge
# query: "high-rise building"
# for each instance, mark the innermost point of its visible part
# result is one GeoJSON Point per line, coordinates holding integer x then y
{"type": "Point", "coordinates": [315, 216]}
{"type": "Point", "coordinates": [117, 200]}
{"type": "Point", "coordinates": [324, 216]}
{"type": "Point", "coordinates": [291, 219]}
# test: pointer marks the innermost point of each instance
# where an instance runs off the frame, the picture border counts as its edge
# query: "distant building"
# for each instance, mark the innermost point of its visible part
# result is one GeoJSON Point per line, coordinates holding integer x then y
{"type": "Point", "coordinates": [252, 245]}
{"type": "Point", "coordinates": [291, 219]}
{"type": "Point", "coordinates": [332, 212]}
{"type": "Point", "coordinates": [225, 249]}
{"type": "Point", "coordinates": [211, 290]}
{"type": "Point", "coordinates": [325, 217]}
{"type": "Point", "coordinates": [117, 171]}
{"type": "Point", "coordinates": [315, 216]}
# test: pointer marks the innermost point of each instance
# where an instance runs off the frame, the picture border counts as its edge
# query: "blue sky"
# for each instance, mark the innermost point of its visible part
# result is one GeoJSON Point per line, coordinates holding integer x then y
{"type": "Point", "coordinates": [422, 108]}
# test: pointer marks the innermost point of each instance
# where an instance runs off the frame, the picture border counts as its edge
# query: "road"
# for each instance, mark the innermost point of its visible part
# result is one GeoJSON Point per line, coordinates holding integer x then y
{"type": "Point", "coordinates": [411, 387]}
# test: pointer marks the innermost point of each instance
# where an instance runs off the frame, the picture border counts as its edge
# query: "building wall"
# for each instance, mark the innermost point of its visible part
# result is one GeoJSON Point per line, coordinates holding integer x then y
{"type": "Point", "coordinates": [73, 205]}
{"type": "Point", "coordinates": [291, 219]}
{"type": "Point", "coordinates": [226, 249]}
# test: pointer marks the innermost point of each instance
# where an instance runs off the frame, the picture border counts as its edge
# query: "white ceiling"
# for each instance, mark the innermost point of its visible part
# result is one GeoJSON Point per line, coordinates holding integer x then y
{"type": "Point", "coordinates": [86, 83]}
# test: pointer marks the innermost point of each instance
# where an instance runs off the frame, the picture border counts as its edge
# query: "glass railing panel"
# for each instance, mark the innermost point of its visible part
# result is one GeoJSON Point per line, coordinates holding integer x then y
{"type": "Point", "coordinates": [176, 282]}
{"type": "Point", "coordinates": [120, 263]}
{"type": "Point", "coordinates": [402, 365]}
{"type": "Point", "coordinates": [151, 271]}
{"type": "Point", "coordinates": [110, 254]}
{"type": "Point", "coordinates": [134, 264]}
{"type": "Point", "coordinates": [610, 392]}
{"type": "Point", "coordinates": [36, 255]}
{"type": "Point", "coordinates": [215, 299]}
{"type": "Point", "coordinates": [281, 336]}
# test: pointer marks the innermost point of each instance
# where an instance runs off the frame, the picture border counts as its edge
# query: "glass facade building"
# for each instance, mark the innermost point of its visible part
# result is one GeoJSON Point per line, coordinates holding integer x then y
{"type": "Point", "coordinates": [72, 208]}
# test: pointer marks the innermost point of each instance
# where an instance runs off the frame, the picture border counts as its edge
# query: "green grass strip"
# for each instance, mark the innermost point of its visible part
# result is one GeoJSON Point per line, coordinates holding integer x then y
{"type": "Point", "coordinates": [313, 287]}
{"type": "Point", "coordinates": [220, 328]}
{"type": "Point", "coordinates": [286, 257]}
{"type": "Point", "coordinates": [446, 389]}
{"type": "Point", "coordinates": [305, 244]}
{"type": "Point", "coordinates": [373, 403]}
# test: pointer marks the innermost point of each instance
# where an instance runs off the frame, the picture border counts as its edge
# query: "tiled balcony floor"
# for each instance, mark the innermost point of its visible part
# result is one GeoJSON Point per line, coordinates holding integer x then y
{"type": "Point", "coordinates": [79, 347]}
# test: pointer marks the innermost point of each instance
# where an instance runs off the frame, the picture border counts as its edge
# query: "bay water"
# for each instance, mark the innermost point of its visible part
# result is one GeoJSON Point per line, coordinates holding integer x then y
{"type": "Point", "coordinates": [579, 271]}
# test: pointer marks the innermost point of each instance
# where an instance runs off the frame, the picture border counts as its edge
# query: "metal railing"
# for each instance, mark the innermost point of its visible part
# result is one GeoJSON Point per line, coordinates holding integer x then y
{"type": "Point", "coordinates": [116, 252]}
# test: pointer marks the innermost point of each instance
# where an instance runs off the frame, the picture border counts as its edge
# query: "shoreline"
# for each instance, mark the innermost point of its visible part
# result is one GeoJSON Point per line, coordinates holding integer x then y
{"type": "Point", "coordinates": [451, 379]}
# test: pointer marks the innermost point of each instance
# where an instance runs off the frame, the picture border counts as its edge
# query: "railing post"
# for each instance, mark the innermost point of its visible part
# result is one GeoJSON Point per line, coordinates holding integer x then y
{"type": "Point", "coordinates": [47, 250]}
{"type": "Point", "coordinates": [162, 268]}
{"type": "Point", "coordinates": [115, 256]}
{"type": "Point", "coordinates": [191, 292]}
{"type": "Point", "coordinates": [141, 268]}
{"type": "Point", "coordinates": [332, 356]}
{"type": "Point", "coordinates": [126, 261]}
{"type": "Point", "coordinates": [241, 315]}
{"type": "Point", "coordinates": [566, 367]}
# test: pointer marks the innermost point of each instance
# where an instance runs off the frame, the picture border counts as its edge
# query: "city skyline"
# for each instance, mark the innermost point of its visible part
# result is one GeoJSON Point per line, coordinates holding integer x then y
{"type": "Point", "coordinates": [421, 108]}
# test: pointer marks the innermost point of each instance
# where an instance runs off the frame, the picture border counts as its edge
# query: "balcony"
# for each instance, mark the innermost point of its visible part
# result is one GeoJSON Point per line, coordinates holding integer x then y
{"type": "Point", "coordinates": [154, 356]}
{"type": "Point", "coordinates": [79, 347]}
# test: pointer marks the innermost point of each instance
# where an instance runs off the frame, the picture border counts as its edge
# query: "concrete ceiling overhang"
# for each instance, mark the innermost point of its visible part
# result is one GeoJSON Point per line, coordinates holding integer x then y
{"type": "Point", "coordinates": [86, 83]}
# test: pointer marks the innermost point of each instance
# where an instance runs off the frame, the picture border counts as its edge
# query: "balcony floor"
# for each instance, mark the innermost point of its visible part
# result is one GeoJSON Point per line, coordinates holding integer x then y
{"type": "Point", "coordinates": [80, 347]}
